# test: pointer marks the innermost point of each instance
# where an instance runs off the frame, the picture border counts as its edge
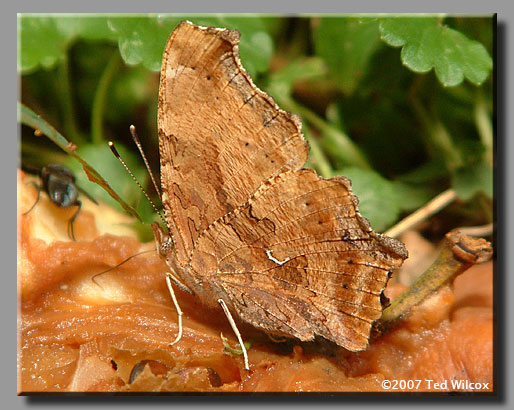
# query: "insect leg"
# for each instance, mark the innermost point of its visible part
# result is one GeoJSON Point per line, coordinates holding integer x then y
{"type": "Point", "coordinates": [236, 331]}
{"type": "Point", "coordinates": [170, 277]}
{"type": "Point", "coordinates": [38, 195]}
{"type": "Point", "coordinates": [71, 233]}
{"type": "Point", "coordinates": [180, 285]}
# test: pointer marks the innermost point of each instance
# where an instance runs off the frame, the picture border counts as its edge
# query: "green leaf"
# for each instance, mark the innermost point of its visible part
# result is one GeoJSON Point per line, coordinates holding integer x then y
{"type": "Point", "coordinates": [281, 83]}
{"type": "Point", "coordinates": [280, 86]}
{"type": "Point", "coordinates": [88, 27]}
{"type": "Point", "coordinates": [472, 179]}
{"type": "Point", "coordinates": [44, 39]}
{"type": "Point", "coordinates": [378, 200]}
{"type": "Point", "coordinates": [346, 44]}
{"type": "Point", "coordinates": [142, 39]}
{"type": "Point", "coordinates": [40, 43]}
{"type": "Point", "coordinates": [256, 47]}
{"type": "Point", "coordinates": [237, 351]}
{"type": "Point", "coordinates": [427, 44]}
{"type": "Point", "coordinates": [426, 172]}
{"type": "Point", "coordinates": [412, 196]}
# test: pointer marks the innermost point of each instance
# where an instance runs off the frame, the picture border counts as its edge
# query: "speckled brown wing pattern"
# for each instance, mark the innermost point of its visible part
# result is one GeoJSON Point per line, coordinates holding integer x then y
{"type": "Point", "coordinates": [286, 249]}
{"type": "Point", "coordinates": [299, 259]}
{"type": "Point", "coordinates": [220, 137]}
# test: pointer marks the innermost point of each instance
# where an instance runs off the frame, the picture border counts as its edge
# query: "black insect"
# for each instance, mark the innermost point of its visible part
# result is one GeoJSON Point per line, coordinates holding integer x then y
{"type": "Point", "coordinates": [59, 183]}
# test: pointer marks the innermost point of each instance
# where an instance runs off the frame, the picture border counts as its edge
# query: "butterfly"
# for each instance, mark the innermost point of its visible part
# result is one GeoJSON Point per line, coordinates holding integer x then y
{"type": "Point", "coordinates": [276, 245]}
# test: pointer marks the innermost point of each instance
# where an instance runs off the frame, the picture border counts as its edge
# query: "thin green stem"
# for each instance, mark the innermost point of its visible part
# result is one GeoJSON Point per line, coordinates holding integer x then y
{"type": "Point", "coordinates": [484, 127]}
{"type": "Point", "coordinates": [432, 279]}
{"type": "Point", "coordinates": [439, 139]}
{"type": "Point", "coordinates": [66, 104]}
{"type": "Point", "coordinates": [346, 149]}
{"type": "Point", "coordinates": [101, 97]}
{"type": "Point", "coordinates": [30, 118]}
{"type": "Point", "coordinates": [318, 159]}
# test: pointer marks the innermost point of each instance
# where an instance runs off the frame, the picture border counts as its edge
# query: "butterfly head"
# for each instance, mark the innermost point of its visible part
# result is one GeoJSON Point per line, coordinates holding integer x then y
{"type": "Point", "coordinates": [163, 241]}
{"type": "Point", "coordinates": [166, 250]}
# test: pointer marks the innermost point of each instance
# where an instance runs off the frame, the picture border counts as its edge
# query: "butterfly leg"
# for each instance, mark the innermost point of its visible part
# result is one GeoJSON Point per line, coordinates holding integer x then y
{"type": "Point", "coordinates": [169, 278]}
{"type": "Point", "coordinates": [236, 331]}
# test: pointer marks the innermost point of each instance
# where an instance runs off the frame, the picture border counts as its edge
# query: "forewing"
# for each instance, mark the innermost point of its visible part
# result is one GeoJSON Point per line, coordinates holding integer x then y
{"type": "Point", "coordinates": [220, 137]}
{"type": "Point", "coordinates": [299, 259]}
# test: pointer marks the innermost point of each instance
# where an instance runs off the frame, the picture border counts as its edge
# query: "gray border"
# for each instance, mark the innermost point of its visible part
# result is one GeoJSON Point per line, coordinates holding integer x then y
{"type": "Point", "coordinates": [504, 195]}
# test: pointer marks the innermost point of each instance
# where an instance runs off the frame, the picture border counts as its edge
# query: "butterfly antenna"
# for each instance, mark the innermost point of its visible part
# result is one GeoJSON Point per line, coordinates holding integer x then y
{"type": "Point", "coordinates": [115, 152]}
{"type": "Point", "coordinates": [138, 144]}
{"type": "Point", "coordinates": [117, 266]}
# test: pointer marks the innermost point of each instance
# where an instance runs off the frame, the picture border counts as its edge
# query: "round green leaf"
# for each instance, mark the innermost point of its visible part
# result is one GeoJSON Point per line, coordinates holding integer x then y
{"type": "Point", "coordinates": [427, 44]}
{"type": "Point", "coordinates": [44, 39]}
{"type": "Point", "coordinates": [141, 39]}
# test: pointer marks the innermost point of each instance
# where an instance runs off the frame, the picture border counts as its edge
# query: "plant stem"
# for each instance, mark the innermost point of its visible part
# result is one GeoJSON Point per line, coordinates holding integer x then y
{"type": "Point", "coordinates": [459, 253]}
{"type": "Point", "coordinates": [30, 118]}
{"type": "Point", "coordinates": [435, 205]}
{"type": "Point", "coordinates": [484, 127]}
{"type": "Point", "coordinates": [318, 159]}
{"type": "Point", "coordinates": [439, 139]}
{"type": "Point", "coordinates": [344, 147]}
{"type": "Point", "coordinates": [66, 101]}
{"type": "Point", "coordinates": [101, 96]}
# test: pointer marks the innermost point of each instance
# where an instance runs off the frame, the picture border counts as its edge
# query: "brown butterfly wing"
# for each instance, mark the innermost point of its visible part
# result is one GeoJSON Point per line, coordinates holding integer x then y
{"type": "Point", "coordinates": [220, 137]}
{"type": "Point", "coordinates": [299, 259]}
{"type": "Point", "coordinates": [286, 249]}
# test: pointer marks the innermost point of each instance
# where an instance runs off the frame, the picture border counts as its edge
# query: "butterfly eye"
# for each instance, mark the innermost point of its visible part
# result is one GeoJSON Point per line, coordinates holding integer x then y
{"type": "Point", "coordinates": [166, 246]}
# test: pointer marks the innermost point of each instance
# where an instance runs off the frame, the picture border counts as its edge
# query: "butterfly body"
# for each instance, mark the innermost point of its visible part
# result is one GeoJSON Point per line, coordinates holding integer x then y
{"type": "Point", "coordinates": [187, 279]}
{"type": "Point", "coordinates": [284, 248]}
